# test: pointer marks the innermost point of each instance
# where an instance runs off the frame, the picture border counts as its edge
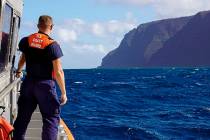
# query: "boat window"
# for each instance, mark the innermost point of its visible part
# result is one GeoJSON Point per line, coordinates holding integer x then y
{"type": "Point", "coordinates": [16, 26]}
{"type": "Point", "coordinates": [4, 35]}
{"type": "Point", "coordinates": [0, 9]}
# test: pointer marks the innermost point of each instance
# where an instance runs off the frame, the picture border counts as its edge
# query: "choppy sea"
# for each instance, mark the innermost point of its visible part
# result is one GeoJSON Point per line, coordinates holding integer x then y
{"type": "Point", "coordinates": [138, 104]}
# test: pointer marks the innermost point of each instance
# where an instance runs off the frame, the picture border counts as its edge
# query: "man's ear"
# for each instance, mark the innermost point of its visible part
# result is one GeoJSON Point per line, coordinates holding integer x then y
{"type": "Point", "coordinates": [51, 27]}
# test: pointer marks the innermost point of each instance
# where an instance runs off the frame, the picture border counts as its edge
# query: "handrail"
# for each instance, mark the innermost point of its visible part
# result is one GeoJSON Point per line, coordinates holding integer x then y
{"type": "Point", "coordinates": [7, 90]}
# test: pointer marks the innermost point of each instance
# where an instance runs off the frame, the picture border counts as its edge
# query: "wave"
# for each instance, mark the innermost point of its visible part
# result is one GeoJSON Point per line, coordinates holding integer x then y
{"type": "Point", "coordinates": [138, 104]}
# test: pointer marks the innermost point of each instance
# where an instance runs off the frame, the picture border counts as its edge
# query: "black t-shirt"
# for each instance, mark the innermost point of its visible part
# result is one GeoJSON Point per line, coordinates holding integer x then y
{"type": "Point", "coordinates": [39, 61]}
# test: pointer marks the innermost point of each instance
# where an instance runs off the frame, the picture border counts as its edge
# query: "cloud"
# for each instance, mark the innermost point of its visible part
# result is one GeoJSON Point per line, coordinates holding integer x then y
{"type": "Point", "coordinates": [91, 41]}
{"type": "Point", "coordinates": [98, 29]}
{"type": "Point", "coordinates": [166, 8]}
{"type": "Point", "coordinates": [87, 48]}
{"type": "Point", "coordinates": [114, 26]}
{"type": "Point", "coordinates": [67, 35]}
{"type": "Point", "coordinates": [133, 2]}
{"type": "Point", "coordinates": [95, 36]}
{"type": "Point", "coordinates": [81, 55]}
{"type": "Point", "coordinates": [76, 24]}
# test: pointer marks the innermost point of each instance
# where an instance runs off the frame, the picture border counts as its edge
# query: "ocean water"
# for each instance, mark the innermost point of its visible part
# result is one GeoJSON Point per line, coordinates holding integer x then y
{"type": "Point", "coordinates": [138, 104]}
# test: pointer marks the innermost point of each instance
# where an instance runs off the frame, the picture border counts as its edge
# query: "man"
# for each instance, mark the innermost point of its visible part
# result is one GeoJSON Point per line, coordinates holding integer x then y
{"type": "Point", "coordinates": [42, 57]}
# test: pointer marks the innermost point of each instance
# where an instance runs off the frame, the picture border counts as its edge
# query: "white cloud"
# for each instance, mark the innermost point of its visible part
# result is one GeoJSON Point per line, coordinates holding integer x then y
{"type": "Point", "coordinates": [98, 29]}
{"type": "Point", "coordinates": [133, 2]}
{"type": "Point", "coordinates": [167, 8]}
{"type": "Point", "coordinates": [77, 32]}
{"type": "Point", "coordinates": [76, 24]}
{"type": "Point", "coordinates": [66, 35]}
{"type": "Point", "coordinates": [88, 40]}
{"type": "Point", "coordinates": [89, 48]}
{"type": "Point", "coordinates": [114, 26]}
{"type": "Point", "coordinates": [81, 55]}
{"type": "Point", "coordinates": [111, 28]}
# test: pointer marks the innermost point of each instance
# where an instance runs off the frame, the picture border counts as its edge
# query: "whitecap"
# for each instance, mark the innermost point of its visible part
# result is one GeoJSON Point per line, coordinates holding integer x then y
{"type": "Point", "coordinates": [208, 109]}
{"type": "Point", "coordinates": [199, 84]}
{"type": "Point", "coordinates": [160, 77]}
{"type": "Point", "coordinates": [193, 72]}
{"type": "Point", "coordinates": [78, 82]}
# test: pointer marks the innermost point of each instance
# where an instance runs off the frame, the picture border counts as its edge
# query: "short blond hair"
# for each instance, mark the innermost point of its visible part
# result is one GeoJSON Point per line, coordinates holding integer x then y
{"type": "Point", "coordinates": [45, 20]}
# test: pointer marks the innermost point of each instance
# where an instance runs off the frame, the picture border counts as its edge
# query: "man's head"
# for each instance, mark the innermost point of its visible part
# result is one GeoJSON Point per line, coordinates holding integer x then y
{"type": "Point", "coordinates": [45, 24]}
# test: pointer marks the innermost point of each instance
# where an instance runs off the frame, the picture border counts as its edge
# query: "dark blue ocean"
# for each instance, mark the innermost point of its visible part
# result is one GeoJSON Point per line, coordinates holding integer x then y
{"type": "Point", "coordinates": [138, 104]}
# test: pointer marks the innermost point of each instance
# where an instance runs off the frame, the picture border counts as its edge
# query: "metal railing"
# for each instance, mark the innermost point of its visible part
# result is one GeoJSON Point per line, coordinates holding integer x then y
{"type": "Point", "coordinates": [9, 88]}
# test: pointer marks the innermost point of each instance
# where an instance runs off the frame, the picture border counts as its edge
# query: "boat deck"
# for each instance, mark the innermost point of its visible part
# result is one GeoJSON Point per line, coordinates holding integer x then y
{"type": "Point", "coordinates": [35, 128]}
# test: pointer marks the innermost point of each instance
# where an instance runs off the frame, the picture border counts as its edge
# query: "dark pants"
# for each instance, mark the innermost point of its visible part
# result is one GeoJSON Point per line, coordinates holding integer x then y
{"type": "Point", "coordinates": [41, 93]}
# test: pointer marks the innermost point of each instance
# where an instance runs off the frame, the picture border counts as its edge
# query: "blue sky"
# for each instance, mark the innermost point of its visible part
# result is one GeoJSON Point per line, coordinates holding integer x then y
{"type": "Point", "coordinates": [88, 29]}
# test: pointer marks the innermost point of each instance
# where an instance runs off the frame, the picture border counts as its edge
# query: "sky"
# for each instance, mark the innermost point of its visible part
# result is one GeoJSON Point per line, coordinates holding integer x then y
{"type": "Point", "coordinates": [88, 29]}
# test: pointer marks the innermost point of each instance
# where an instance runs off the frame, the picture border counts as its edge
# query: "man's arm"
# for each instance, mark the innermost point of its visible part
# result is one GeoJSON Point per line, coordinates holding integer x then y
{"type": "Point", "coordinates": [60, 79]}
{"type": "Point", "coordinates": [21, 64]}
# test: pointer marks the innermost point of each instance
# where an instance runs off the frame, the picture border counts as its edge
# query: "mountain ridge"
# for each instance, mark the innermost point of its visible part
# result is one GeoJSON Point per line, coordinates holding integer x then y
{"type": "Point", "coordinates": [158, 43]}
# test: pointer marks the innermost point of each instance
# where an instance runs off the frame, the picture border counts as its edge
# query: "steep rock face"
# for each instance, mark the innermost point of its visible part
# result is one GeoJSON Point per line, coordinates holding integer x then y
{"type": "Point", "coordinates": [189, 47]}
{"type": "Point", "coordinates": [172, 42]}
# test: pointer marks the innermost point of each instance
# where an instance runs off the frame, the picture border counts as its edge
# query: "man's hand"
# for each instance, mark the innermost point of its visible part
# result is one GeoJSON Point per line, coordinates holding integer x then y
{"type": "Point", "coordinates": [59, 76]}
{"type": "Point", "coordinates": [21, 63]}
{"type": "Point", "coordinates": [19, 74]}
{"type": "Point", "coordinates": [63, 99]}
